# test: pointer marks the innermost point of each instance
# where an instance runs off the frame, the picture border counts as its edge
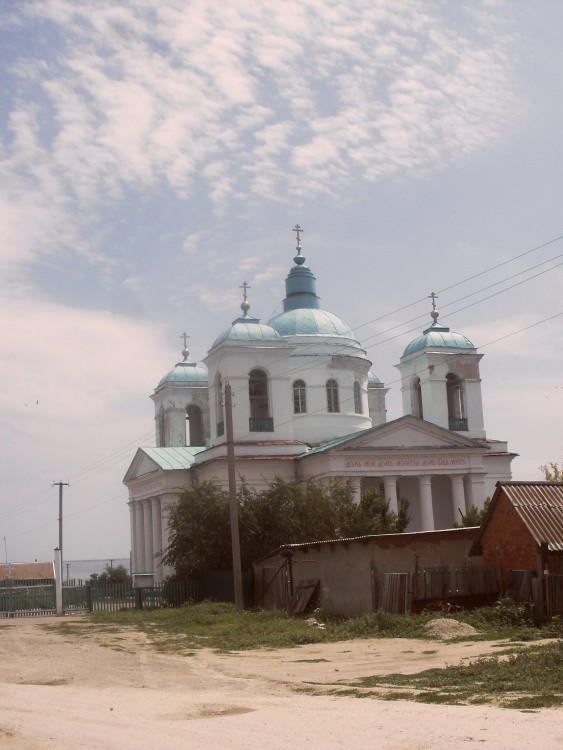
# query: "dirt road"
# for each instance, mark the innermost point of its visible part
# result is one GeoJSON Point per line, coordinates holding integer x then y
{"type": "Point", "coordinates": [67, 685]}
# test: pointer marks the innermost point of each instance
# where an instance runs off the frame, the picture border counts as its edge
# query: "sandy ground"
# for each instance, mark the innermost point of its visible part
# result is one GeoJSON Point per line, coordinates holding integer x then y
{"type": "Point", "coordinates": [111, 689]}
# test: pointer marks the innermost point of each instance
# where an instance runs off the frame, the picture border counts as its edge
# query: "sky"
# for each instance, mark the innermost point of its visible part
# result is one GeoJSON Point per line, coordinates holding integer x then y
{"type": "Point", "coordinates": [154, 156]}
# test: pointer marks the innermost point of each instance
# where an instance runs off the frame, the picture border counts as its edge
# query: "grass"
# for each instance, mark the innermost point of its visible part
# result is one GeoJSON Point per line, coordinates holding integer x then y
{"type": "Point", "coordinates": [523, 677]}
{"type": "Point", "coordinates": [218, 626]}
{"type": "Point", "coordinates": [530, 678]}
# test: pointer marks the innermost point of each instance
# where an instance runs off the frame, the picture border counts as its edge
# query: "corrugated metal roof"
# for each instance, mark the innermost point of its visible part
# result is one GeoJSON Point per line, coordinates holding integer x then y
{"type": "Point", "coordinates": [173, 458]}
{"type": "Point", "coordinates": [27, 571]}
{"type": "Point", "coordinates": [540, 506]}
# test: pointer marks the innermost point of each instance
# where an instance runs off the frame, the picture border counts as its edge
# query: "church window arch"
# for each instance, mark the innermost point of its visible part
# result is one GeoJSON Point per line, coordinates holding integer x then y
{"type": "Point", "coordinates": [332, 396]}
{"type": "Point", "coordinates": [455, 393]}
{"type": "Point", "coordinates": [258, 393]}
{"type": "Point", "coordinates": [357, 398]}
{"type": "Point", "coordinates": [160, 426]}
{"type": "Point", "coordinates": [416, 395]}
{"type": "Point", "coordinates": [299, 397]}
{"type": "Point", "coordinates": [194, 426]}
{"type": "Point", "coordinates": [219, 408]}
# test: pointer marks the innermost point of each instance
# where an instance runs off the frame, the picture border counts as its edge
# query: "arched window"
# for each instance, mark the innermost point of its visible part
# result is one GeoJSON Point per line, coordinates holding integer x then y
{"type": "Point", "coordinates": [219, 405]}
{"type": "Point", "coordinates": [160, 427]}
{"type": "Point", "coordinates": [299, 397]}
{"type": "Point", "coordinates": [417, 398]}
{"type": "Point", "coordinates": [260, 419]}
{"type": "Point", "coordinates": [194, 426]}
{"type": "Point", "coordinates": [357, 398]}
{"type": "Point", "coordinates": [332, 400]}
{"type": "Point", "coordinates": [456, 402]}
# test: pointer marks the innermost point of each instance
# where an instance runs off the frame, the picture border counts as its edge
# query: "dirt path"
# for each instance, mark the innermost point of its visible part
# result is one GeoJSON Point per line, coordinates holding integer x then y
{"type": "Point", "coordinates": [66, 685]}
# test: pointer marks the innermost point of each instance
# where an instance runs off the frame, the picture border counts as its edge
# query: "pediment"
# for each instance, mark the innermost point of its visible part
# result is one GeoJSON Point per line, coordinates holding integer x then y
{"type": "Point", "coordinates": [141, 465]}
{"type": "Point", "coordinates": [403, 434]}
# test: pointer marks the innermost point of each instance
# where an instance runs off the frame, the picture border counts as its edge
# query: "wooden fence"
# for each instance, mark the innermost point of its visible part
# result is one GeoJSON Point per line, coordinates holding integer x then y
{"type": "Point", "coordinates": [441, 585]}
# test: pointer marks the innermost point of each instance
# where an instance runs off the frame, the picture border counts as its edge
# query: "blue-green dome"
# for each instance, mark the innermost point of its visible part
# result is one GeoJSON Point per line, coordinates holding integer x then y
{"type": "Point", "coordinates": [310, 322]}
{"type": "Point", "coordinates": [248, 329]}
{"type": "Point", "coordinates": [373, 379]}
{"type": "Point", "coordinates": [186, 373]}
{"type": "Point", "coordinates": [438, 336]}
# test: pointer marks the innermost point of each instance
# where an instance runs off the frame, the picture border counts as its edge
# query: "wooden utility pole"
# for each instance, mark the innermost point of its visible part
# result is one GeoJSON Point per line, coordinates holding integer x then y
{"type": "Point", "coordinates": [235, 537]}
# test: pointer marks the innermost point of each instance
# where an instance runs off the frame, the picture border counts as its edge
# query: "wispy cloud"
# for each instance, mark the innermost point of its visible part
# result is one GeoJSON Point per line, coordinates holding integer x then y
{"type": "Point", "coordinates": [264, 101]}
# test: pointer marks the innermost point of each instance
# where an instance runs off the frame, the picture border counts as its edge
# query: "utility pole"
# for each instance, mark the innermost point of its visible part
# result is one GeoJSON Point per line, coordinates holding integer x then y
{"type": "Point", "coordinates": [60, 485]}
{"type": "Point", "coordinates": [235, 537]}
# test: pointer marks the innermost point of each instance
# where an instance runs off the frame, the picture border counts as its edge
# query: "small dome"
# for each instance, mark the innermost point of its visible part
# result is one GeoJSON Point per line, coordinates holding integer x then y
{"type": "Point", "coordinates": [248, 329]}
{"type": "Point", "coordinates": [310, 322]}
{"type": "Point", "coordinates": [373, 379]}
{"type": "Point", "coordinates": [186, 373]}
{"type": "Point", "coordinates": [438, 336]}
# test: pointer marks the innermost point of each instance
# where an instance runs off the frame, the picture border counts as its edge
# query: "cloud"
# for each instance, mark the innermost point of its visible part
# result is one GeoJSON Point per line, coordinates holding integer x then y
{"type": "Point", "coordinates": [269, 101]}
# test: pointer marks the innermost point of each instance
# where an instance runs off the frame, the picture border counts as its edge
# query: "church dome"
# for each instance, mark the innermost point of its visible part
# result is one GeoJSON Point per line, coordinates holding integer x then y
{"type": "Point", "coordinates": [373, 379]}
{"type": "Point", "coordinates": [248, 329]}
{"type": "Point", "coordinates": [186, 373]}
{"type": "Point", "coordinates": [309, 322]}
{"type": "Point", "coordinates": [438, 336]}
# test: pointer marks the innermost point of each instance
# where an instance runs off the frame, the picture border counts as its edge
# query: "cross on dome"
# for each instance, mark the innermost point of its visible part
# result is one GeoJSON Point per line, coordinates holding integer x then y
{"type": "Point", "coordinates": [299, 259]}
{"type": "Point", "coordinates": [185, 350]}
{"type": "Point", "coordinates": [434, 313]}
{"type": "Point", "coordinates": [245, 305]}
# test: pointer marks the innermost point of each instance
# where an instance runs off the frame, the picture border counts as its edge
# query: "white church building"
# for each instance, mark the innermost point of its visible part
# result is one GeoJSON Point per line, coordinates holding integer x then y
{"type": "Point", "coordinates": [306, 405]}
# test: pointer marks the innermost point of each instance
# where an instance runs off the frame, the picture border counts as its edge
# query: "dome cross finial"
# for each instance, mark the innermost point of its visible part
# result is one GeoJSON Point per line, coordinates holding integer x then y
{"type": "Point", "coordinates": [434, 314]}
{"type": "Point", "coordinates": [245, 305]}
{"type": "Point", "coordinates": [299, 259]}
{"type": "Point", "coordinates": [185, 350]}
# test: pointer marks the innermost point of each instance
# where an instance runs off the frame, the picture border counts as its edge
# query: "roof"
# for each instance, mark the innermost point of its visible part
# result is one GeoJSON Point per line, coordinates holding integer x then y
{"type": "Point", "coordinates": [441, 337]}
{"type": "Point", "coordinates": [171, 459]}
{"type": "Point", "coordinates": [248, 329]}
{"type": "Point", "coordinates": [27, 571]}
{"type": "Point", "coordinates": [186, 373]}
{"type": "Point", "coordinates": [539, 505]}
{"type": "Point", "coordinates": [381, 540]}
{"type": "Point", "coordinates": [308, 321]}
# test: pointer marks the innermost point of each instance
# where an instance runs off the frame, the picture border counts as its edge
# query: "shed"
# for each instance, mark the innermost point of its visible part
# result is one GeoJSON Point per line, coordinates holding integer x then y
{"type": "Point", "coordinates": [523, 529]}
{"type": "Point", "coordinates": [366, 573]}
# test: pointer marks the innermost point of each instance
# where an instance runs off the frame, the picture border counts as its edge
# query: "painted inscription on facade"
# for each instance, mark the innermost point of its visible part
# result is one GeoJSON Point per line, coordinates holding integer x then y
{"type": "Point", "coordinates": [405, 463]}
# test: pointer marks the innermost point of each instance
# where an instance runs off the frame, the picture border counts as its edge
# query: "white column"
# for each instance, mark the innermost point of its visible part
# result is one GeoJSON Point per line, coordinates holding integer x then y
{"type": "Point", "coordinates": [458, 496]}
{"type": "Point", "coordinates": [156, 538]}
{"type": "Point", "coordinates": [390, 484]}
{"type": "Point", "coordinates": [133, 541]}
{"type": "Point", "coordinates": [147, 524]}
{"type": "Point", "coordinates": [356, 483]}
{"type": "Point", "coordinates": [426, 511]}
{"type": "Point", "coordinates": [477, 485]}
{"type": "Point", "coordinates": [139, 554]}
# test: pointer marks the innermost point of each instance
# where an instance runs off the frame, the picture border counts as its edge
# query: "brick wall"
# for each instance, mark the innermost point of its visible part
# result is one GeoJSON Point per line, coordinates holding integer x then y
{"type": "Point", "coordinates": [507, 542]}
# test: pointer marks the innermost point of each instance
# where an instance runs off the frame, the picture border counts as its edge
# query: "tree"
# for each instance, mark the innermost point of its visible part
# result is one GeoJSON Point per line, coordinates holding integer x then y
{"type": "Point", "coordinates": [110, 574]}
{"type": "Point", "coordinates": [473, 516]}
{"type": "Point", "coordinates": [552, 471]}
{"type": "Point", "coordinates": [285, 512]}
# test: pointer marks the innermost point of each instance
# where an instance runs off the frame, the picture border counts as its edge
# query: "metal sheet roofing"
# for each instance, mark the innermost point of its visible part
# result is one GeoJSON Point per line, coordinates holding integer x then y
{"type": "Point", "coordinates": [173, 458]}
{"type": "Point", "coordinates": [540, 506]}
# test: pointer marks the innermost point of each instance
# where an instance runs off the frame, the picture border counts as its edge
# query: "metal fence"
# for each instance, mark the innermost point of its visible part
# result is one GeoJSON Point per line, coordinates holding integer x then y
{"type": "Point", "coordinates": [32, 600]}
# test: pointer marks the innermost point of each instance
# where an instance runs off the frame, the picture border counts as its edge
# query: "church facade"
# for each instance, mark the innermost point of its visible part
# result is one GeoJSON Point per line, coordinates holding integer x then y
{"type": "Point", "coordinates": [306, 405]}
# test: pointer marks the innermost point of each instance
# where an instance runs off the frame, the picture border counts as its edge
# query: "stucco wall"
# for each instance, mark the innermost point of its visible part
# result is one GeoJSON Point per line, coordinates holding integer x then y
{"type": "Point", "coordinates": [350, 572]}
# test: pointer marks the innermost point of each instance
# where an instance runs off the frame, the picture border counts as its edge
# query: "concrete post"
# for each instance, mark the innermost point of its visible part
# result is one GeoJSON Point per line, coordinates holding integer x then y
{"type": "Point", "coordinates": [58, 583]}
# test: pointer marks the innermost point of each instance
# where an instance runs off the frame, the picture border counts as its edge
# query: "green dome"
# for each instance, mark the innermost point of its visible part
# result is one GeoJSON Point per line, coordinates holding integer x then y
{"type": "Point", "coordinates": [248, 329]}
{"type": "Point", "coordinates": [438, 336]}
{"type": "Point", "coordinates": [310, 322]}
{"type": "Point", "coordinates": [373, 379]}
{"type": "Point", "coordinates": [186, 373]}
